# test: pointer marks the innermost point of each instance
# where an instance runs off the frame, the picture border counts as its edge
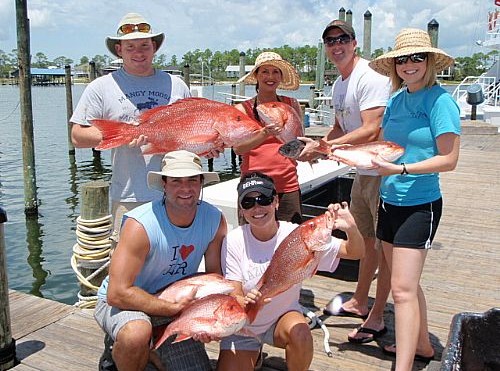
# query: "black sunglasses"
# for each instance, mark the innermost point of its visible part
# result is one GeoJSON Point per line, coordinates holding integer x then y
{"type": "Point", "coordinates": [342, 39]}
{"type": "Point", "coordinates": [249, 202]}
{"type": "Point", "coordinates": [415, 58]}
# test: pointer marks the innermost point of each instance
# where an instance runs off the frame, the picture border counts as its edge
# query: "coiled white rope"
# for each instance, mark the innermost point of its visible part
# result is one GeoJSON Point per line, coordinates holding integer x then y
{"type": "Point", "coordinates": [315, 320]}
{"type": "Point", "coordinates": [91, 253]}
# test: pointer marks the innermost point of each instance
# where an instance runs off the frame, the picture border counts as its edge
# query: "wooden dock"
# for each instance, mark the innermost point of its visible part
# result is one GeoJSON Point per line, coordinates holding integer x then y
{"type": "Point", "coordinates": [462, 274]}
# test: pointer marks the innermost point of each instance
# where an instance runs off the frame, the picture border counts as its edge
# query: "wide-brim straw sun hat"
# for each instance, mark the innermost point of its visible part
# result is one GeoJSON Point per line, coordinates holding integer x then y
{"type": "Point", "coordinates": [179, 164]}
{"type": "Point", "coordinates": [290, 77]}
{"type": "Point", "coordinates": [133, 19]}
{"type": "Point", "coordinates": [410, 41]}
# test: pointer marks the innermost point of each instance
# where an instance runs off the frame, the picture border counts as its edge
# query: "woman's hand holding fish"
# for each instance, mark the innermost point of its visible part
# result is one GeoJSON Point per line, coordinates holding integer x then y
{"type": "Point", "coordinates": [343, 217]}
{"type": "Point", "coordinates": [204, 337]}
{"type": "Point", "coordinates": [385, 168]}
{"type": "Point", "coordinates": [253, 296]}
{"type": "Point", "coordinates": [273, 129]}
{"type": "Point", "coordinates": [139, 141]}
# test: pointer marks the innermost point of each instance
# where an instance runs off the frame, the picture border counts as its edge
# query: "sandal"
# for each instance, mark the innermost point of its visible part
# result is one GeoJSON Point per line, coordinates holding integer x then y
{"type": "Point", "coordinates": [368, 339]}
{"type": "Point", "coordinates": [418, 357]}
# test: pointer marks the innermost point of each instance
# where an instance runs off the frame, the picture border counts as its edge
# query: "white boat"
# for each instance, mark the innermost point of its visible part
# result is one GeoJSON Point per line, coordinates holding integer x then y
{"type": "Point", "coordinates": [488, 82]}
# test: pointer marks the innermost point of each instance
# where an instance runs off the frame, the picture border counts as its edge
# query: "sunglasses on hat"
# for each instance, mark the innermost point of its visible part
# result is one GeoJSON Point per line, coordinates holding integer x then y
{"type": "Point", "coordinates": [415, 58]}
{"type": "Point", "coordinates": [342, 39]}
{"type": "Point", "coordinates": [249, 202]}
{"type": "Point", "coordinates": [139, 27]}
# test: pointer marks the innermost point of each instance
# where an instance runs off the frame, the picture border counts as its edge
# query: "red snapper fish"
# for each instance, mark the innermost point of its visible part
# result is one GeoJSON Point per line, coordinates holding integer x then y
{"type": "Point", "coordinates": [218, 315]}
{"type": "Point", "coordinates": [357, 155]}
{"type": "Point", "coordinates": [200, 284]}
{"type": "Point", "coordinates": [296, 258]}
{"type": "Point", "coordinates": [284, 115]}
{"type": "Point", "coordinates": [197, 125]}
{"type": "Point", "coordinates": [361, 155]}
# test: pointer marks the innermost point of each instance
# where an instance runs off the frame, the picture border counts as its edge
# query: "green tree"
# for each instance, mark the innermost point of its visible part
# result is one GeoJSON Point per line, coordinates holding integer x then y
{"type": "Point", "coordinates": [41, 61]}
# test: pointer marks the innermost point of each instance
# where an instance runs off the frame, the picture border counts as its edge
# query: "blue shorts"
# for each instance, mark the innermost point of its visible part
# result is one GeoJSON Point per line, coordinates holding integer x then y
{"type": "Point", "coordinates": [238, 342]}
{"type": "Point", "coordinates": [409, 226]}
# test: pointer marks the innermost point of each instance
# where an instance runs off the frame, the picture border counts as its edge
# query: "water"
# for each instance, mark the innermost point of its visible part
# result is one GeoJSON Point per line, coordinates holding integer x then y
{"type": "Point", "coordinates": [39, 249]}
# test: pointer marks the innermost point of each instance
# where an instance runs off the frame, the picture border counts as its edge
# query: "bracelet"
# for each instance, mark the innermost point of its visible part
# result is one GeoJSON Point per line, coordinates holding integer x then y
{"type": "Point", "coordinates": [404, 171]}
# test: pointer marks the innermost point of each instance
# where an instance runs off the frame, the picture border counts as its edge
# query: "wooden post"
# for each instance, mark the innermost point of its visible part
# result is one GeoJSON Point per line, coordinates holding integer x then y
{"type": "Point", "coordinates": [94, 205]}
{"type": "Point", "coordinates": [242, 73]}
{"type": "Point", "coordinates": [7, 344]}
{"type": "Point", "coordinates": [92, 72]}
{"type": "Point", "coordinates": [23, 52]}
{"type": "Point", "coordinates": [94, 200]}
{"type": "Point", "coordinates": [186, 75]}
{"type": "Point", "coordinates": [69, 107]}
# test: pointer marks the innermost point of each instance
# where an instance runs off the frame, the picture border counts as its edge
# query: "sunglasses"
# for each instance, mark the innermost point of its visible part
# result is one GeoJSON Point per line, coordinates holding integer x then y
{"type": "Point", "coordinates": [139, 27]}
{"type": "Point", "coordinates": [342, 39]}
{"type": "Point", "coordinates": [249, 202]}
{"type": "Point", "coordinates": [415, 58]}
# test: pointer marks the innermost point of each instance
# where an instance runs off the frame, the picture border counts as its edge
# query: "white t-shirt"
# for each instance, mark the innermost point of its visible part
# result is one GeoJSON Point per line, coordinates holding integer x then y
{"type": "Point", "coordinates": [362, 90]}
{"type": "Point", "coordinates": [122, 97]}
{"type": "Point", "coordinates": [245, 259]}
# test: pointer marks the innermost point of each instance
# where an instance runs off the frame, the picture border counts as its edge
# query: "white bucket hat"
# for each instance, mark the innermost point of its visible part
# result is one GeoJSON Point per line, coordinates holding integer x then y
{"type": "Point", "coordinates": [133, 19]}
{"type": "Point", "coordinates": [179, 164]}
{"type": "Point", "coordinates": [291, 78]}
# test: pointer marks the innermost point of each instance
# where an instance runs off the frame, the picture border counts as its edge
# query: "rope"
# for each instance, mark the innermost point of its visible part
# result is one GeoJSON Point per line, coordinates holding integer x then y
{"type": "Point", "coordinates": [91, 252]}
{"type": "Point", "coordinates": [315, 320]}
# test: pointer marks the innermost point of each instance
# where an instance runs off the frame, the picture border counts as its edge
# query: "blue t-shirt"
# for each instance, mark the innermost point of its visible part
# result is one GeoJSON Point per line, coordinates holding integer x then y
{"type": "Point", "coordinates": [414, 121]}
{"type": "Point", "coordinates": [174, 252]}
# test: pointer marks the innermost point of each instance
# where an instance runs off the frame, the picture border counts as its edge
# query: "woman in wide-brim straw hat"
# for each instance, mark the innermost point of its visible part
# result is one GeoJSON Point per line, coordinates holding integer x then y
{"type": "Point", "coordinates": [424, 119]}
{"type": "Point", "coordinates": [270, 73]}
{"type": "Point", "coordinates": [412, 41]}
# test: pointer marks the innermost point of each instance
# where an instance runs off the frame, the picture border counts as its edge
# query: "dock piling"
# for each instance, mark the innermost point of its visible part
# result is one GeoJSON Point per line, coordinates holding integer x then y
{"type": "Point", "coordinates": [69, 107]}
{"type": "Point", "coordinates": [7, 343]}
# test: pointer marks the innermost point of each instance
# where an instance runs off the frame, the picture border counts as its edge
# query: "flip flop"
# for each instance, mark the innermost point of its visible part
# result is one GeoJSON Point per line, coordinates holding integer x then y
{"type": "Point", "coordinates": [365, 330]}
{"type": "Point", "coordinates": [418, 357]}
{"type": "Point", "coordinates": [344, 313]}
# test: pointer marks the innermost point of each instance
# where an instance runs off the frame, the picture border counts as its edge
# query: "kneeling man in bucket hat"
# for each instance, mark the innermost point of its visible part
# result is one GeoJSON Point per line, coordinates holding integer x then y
{"type": "Point", "coordinates": [161, 242]}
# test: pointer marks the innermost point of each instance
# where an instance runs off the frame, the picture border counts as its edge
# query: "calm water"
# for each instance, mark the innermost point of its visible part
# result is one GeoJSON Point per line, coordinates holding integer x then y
{"type": "Point", "coordinates": [39, 249]}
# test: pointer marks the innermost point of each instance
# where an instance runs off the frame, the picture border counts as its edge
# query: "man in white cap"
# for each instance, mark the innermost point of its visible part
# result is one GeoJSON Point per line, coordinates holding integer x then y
{"type": "Point", "coordinates": [161, 242]}
{"type": "Point", "coordinates": [359, 95]}
{"type": "Point", "coordinates": [122, 96]}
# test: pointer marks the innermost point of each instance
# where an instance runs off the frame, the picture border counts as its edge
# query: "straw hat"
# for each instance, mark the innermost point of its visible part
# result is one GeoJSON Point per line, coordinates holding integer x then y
{"type": "Point", "coordinates": [179, 164]}
{"type": "Point", "coordinates": [135, 19]}
{"type": "Point", "coordinates": [410, 41]}
{"type": "Point", "coordinates": [290, 80]}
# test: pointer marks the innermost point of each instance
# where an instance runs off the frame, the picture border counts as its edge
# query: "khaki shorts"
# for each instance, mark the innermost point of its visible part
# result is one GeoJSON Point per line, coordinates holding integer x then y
{"type": "Point", "coordinates": [364, 203]}
{"type": "Point", "coordinates": [118, 209]}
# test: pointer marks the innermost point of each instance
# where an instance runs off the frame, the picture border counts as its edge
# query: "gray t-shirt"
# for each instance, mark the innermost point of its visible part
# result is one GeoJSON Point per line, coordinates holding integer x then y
{"type": "Point", "coordinates": [122, 97]}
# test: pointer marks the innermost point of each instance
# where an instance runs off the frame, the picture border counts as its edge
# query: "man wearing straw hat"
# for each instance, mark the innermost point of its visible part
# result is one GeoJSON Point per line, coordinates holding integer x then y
{"type": "Point", "coordinates": [122, 96]}
{"type": "Point", "coordinates": [360, 95]}
{"type": "Point", "coordinates": [161, 242]}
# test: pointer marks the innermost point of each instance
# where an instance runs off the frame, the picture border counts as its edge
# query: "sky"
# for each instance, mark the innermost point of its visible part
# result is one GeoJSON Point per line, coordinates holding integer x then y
{"type": "Point", "coordinates": [76, 28]}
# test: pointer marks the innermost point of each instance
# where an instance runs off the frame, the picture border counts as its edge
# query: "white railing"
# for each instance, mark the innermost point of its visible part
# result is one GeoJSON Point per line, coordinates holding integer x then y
{"type": "Point", "coordinates": [491, 90]}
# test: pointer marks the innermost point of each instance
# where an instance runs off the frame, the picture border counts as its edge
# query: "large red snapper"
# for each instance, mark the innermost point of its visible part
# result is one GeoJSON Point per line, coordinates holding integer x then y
{"type": "Point", "coordinates": [200, 284]}
{"type": "Point", "coordinates": [282, 114]}
{"type": "Point", "coordinates": [197, 125]}
{"type": "Point", "coordinates": [218, 315]}
{"type": "Point", "coordinates": [296, 258]}
{"type": "Point", "coordinates": [361, 155]}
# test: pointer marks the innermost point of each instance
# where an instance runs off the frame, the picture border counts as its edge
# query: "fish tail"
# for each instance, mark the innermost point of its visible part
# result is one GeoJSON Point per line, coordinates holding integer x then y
{"type": "Point", "coordinates": [114, 133]}
{"type": "Point", "coordinates": [160, 334]}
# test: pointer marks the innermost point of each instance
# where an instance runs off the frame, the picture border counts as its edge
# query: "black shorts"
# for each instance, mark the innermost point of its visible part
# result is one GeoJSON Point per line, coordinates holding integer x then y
{"type": "Point", "coordinates": [409, 226]}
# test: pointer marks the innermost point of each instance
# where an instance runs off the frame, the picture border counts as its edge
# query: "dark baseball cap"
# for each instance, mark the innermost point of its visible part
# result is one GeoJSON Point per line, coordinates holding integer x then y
{"type": "Point", "coordinates": [255, 184]}
{"type": "Point", "coordinates": [338, 23]}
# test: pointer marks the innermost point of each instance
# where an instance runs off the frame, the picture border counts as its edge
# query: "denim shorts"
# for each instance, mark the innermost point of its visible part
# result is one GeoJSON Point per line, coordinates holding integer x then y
{"type": "Point", "coordinates": [409, 226]}
{"type": "Point", "coordinates": [238, 342]}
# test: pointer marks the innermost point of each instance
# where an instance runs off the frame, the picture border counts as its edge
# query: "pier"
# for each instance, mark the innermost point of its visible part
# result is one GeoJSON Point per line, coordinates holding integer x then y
{"type": "Point", "coordinates": [461, 274]}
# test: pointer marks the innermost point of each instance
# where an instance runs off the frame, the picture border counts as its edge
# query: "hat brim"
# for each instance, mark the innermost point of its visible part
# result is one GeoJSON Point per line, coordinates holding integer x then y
{"type": "Point", "coordinates": [155, 180]}
{"type": "Point", "coordinates": [385, 63]}
{"type": "Point", "coordinates": [289, 81]}
{"type": "Point", "coordinates": [111, 41]}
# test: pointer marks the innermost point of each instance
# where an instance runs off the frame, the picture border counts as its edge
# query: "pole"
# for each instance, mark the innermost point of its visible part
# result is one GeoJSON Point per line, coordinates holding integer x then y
{"type": "Point", "coordinates": [367, 35]}
{"type": "Point", "coordinates": [186, 75]}
{"type": "Point", "coordinates": [23, 50]}
{"type": "Point", "coordinates": [242, 73]}
{"type": "Point", "coordinates": [69, 107]}
{"type": "Point", "coordinates": [7, 344]}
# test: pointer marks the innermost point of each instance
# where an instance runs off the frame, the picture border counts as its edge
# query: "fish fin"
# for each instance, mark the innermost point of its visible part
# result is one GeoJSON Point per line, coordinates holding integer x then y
{"type": "Point", "coordinates": [181, 337]}
{"type": "Point", "coordinates": [160, 334]}
{"type": "Point", "coordinates": [114, 133]}
{"type": "Point", "coordinates": [251, 310]}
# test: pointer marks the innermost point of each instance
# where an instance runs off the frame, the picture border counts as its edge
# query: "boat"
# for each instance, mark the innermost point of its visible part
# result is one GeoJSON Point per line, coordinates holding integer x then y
{"type": "Point", "coordinates": [479, 96]}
